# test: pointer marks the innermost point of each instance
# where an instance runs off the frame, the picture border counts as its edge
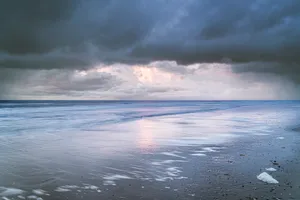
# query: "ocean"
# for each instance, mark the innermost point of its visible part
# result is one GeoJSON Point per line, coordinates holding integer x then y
{"type": "Point", "coordinates": [149, 149]}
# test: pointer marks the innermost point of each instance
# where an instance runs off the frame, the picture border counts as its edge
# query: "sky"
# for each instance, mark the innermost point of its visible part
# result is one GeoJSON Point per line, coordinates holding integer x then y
{"type": "Point", "coordinates": [156, 50]}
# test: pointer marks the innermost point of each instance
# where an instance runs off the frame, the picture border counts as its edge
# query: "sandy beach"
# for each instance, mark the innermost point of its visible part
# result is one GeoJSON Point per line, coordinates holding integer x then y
{"type": "Point", "coordinates": [237, 150]}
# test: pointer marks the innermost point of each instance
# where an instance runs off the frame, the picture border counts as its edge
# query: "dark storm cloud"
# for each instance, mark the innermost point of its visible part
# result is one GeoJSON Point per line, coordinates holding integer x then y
{"type": "Point", "coordinates": [54, 82]}
{"type": "Point", "coordinates": [73, 33]}
{"type": "Point", "coordinates": [23, 23]}
{"type": "Point", "coordinates": [242, 31]}
{"type": "Point", "coordinates": [172, 67]}
{"type": "Point", "coordinates": [261, 36]}
{"type": "Point", "coordinates": [290, 71]}
{"type": "Point", "coordinates": [96, 81]}
{"type": "Point", "coordinates": [55, 34]}
{"type": "Point", "coordinates": [7, 79]}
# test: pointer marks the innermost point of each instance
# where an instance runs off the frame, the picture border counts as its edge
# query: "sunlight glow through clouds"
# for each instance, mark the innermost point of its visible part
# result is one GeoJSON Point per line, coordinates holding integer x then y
{"type": "Point", "coordinates": [197, 81]}
{"type": "Point", "coordinates": [157, 80]}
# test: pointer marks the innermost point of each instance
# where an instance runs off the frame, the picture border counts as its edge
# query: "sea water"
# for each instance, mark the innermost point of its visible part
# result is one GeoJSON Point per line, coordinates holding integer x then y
{"type": "Point", "coordinates": [85, 149]}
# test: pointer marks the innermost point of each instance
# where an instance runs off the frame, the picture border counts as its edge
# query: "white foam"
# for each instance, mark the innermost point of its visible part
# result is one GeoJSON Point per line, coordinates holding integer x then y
{"type": "Point", "coordinates": [271, 169]}
{"type": "Point", "coordinates": [109, 183]}
{"type": "Point", "coordinates": [171, 174]}
{"type": "Point", "coordinates": [70, 186]}
{"type": "Point", "coordinates": [181, 177]}
{"type": "Point", "coordinates": [280, 138]}
{"type": "Point", "coordinates": [110, 180]}
{"type": "Point", "coordinates": [66, 188]}
{"type": "Point", "coordinates": [145, 179]}
{"type": "Point", "coordinates": [265, 177]}
{"type": "Point", "coordinates": [40, 192]}
{"type": "Point", "coordinates": [162, 179]}
{"type": "Point", "coordinates": [173, 171]}
{"type": "Point", "coordinates": [166, 162]}
{"type": "Point", "coordinates": [198, 154]}
{"type": "Point", "coordinates": [173, 154]}
{"type": "Point", "coordinates": [116, 177]}
{"type": "Point", "coordinates": [10, 191]}
{"type": "Point", "coordinates": [201, 151]}
{"type": "Point", "coordinates": [261, 134]}
{"type": "Point", "coordinates": [34, 197]}
{"type": "Point", "coordinates": [21, 197]}
{"type": "Point", "coordinates": [90, 187]}
{"type": "Point", "coordinates": [210, 149]}
{"type": "Point", "coordinates": [5, 198]}
{"type": "Point", "coordinates": [61, 189]}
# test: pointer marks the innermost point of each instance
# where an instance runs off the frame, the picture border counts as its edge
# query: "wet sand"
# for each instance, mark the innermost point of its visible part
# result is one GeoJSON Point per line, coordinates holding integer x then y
{"type": "Point", "coordinates": [205, 156]}
{"type": "Point", "coordinates": [227, 171]}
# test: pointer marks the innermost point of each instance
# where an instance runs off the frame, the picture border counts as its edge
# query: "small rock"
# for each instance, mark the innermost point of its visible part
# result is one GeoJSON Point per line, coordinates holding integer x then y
{"type": "Point", "coordinates": [274, 162]}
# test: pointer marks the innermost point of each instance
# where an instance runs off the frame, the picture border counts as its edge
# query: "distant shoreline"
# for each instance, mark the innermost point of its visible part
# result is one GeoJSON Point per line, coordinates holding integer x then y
{"type": "Point", "coordinates": [149, 100]}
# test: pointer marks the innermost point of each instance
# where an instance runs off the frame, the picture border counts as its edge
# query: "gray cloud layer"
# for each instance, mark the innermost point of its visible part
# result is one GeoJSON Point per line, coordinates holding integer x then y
{"type": "Point", "coordinates": [54, 34]}
{"type": "Point", "coordinates": [260, 36]}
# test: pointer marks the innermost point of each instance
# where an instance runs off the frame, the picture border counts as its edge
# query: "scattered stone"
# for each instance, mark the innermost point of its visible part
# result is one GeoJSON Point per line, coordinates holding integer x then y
{"type": "Point", "coordinates": [274, 162]}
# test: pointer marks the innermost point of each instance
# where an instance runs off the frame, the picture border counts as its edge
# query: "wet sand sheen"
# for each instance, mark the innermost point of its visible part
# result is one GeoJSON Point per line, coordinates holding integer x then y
{"type": "Point", "coordinates": [232, 154]}
{"type": "Point", "coordinates": [226, 172]}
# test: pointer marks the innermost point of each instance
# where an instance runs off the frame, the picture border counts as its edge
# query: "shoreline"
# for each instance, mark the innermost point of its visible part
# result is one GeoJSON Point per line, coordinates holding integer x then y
{"type": "Point", "coordinates": [209, 156]}
{"type": "Point", "coordinates": [227, 171]}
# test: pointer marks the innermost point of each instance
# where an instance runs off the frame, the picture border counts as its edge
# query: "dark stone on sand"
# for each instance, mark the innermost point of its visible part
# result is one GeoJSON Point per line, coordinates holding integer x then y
{"type": "Point", "coordinates": [296, 129]}
{"type": "Point", "coordinates": [272, 190]}
{"type": "Point", "coordinates": [274, 162]}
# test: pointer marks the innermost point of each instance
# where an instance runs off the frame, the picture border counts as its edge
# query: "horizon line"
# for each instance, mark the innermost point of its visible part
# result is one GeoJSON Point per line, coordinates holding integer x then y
{"type": "Point", "coordinates": [20, 100]}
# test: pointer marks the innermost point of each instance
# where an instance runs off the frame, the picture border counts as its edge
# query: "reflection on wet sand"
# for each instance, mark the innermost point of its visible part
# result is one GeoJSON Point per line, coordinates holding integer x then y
{"type": "Point", "coordinates": [145, 140]}
{"type": "Point", "coordinates": [182, 153]}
